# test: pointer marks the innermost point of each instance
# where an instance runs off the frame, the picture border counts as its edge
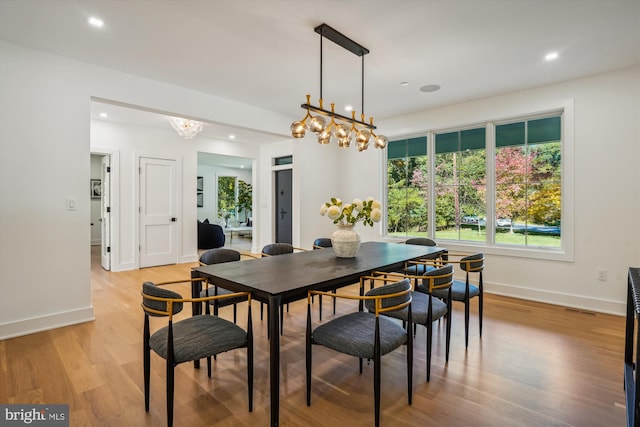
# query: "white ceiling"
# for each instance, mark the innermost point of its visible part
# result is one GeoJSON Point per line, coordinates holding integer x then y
{"type": "Point", "coordinates": [266, 53]}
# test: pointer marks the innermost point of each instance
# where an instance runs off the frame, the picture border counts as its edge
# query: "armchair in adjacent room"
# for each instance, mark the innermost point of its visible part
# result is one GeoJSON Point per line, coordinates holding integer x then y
{"type": "Point", "coordinates": [210, 236]}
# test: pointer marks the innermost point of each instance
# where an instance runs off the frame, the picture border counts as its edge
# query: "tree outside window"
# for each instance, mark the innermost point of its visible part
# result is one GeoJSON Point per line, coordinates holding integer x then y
{"type": "Point", "coordinates": [526, 190]}
{"type": "Point", "coordinates": [528, 182]}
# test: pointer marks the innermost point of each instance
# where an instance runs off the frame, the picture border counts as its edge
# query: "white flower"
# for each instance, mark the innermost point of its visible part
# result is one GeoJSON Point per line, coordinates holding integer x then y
{"type": "Point", "coordinates": [376, 215]}
{"type": "Point", "coordinates": [368, 211]}
{"type": "Point", "coordinates": [333, 212]}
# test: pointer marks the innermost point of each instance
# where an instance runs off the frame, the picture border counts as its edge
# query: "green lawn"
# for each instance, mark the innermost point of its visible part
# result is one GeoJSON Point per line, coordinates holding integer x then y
{"type": "Point", "coordinates": [502, 237]}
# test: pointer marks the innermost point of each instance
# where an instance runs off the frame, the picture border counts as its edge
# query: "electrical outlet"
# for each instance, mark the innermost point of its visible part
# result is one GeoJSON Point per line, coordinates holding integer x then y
{"type": "Point", "coordinates": [602, 274]}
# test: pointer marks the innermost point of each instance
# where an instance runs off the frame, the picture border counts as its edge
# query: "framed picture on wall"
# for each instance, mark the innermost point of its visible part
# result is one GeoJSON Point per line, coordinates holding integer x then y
{"type": "Point", "coordinates": [200, 200]}
{"type": "Point", "coordinates": [199, 184]}
{"type": "Point", "coordinates": [95, 188]}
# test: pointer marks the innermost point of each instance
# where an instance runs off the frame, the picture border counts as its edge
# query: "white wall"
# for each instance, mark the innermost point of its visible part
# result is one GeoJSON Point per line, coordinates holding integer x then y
{"type": "Point", "coordinates": [45, 105]}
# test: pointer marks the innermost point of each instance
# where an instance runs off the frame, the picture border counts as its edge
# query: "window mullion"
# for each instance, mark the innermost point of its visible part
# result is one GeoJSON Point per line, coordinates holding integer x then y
{"type": "Point", "coordinates": [431, 208]}
{"type": "Point", "coordinates": [490, 184]}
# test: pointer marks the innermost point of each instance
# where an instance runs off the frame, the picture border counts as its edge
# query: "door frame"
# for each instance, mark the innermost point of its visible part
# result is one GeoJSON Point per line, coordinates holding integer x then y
{"type": "Point", "coordinates": [114, 183]}
{"type": "Point", "coordinates": [295, 234]}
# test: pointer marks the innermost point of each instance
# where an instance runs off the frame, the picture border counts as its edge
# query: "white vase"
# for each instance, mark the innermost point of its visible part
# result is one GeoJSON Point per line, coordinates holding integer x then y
{"type": "Point", "coordinates": [345, 241]}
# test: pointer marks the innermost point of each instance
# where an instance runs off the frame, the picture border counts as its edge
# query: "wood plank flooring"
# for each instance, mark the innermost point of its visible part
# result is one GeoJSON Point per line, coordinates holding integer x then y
{"type": "Point", "coordinates": [536, 365]}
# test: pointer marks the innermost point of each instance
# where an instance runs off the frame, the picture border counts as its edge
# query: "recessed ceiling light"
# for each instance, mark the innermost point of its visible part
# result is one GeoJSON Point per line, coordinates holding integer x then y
{"type": "Point", "coordinates": [430, 88]}
{"type": "Point", "coordinates": [232, 136]}
{"type": "Point", "coordinates": [551, 56]}
{"type": "Point", "coordinates": [96, 22]}
{"type": "Point", "coordinates": [403, 84]}
{"type": "Point", "coordinates": [104, 115]}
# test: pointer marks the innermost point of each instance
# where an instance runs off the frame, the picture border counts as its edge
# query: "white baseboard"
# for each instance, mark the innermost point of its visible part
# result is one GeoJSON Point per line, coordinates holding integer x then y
{"type": "Point", "coordinates": [556, 298]}
{"type": "Point", "coordinates": [45, 323]}
{"type": "Point", "coordinates": [188, 258]}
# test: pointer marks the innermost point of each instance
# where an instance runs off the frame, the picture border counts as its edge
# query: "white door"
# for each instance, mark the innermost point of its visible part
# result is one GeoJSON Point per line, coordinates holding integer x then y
{"type": "Point", "coordinates": [105, 214]}
{"type": "Point", "coordinates": [158, 221]}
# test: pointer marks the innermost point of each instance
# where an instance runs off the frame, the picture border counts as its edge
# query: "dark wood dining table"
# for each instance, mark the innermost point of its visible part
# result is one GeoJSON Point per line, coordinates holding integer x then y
{"type": "Point", "coordinates": [285, 278]}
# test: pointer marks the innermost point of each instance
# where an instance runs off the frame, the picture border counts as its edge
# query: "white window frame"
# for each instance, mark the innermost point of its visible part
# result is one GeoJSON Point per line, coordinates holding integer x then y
{"type": "Point", "coordinates": [566, 251]}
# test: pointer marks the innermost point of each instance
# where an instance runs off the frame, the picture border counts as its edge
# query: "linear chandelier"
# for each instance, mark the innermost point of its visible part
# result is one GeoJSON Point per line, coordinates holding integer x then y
{"type": "Point", "coordinates": [340, 128]}
{"type": "Point", "coordinates": [186, 128]}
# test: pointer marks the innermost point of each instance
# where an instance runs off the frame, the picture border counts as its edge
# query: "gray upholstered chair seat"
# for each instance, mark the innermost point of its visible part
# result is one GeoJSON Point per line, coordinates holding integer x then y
{"type": "Point", "coordinates": [192, 338]}
{"type": "Point", "coordinates": [419, 269]}
{"type": "Point", "coordinates": [352, 334]}
{"type": "Point", "coordinates": [419, 309]}
{"type": "Point", "coordinates": [457, 291]}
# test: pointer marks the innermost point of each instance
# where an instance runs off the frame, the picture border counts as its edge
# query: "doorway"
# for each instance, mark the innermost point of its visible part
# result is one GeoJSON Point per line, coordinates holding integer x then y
{"type": "Point", "coordinates": [100, 207]}
{"type": "Point", "coordinates": [283, 206]}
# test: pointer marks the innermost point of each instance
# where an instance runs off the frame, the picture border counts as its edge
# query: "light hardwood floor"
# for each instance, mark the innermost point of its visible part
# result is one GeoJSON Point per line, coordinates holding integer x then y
{"type": "Point", "coordinates": [536, 365]}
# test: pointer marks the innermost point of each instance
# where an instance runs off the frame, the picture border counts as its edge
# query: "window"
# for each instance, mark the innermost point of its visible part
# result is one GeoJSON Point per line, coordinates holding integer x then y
{"type": "Point", "coordinates": [528, 183]}
{"type": "Point", "coordinates": [498, 184]}
{"type": "Point", "coordinates": [407, 187]}
{"type": "Point", "coordinates": [460, 185]}
{"type": "Point", "coordinates": [227, 196]}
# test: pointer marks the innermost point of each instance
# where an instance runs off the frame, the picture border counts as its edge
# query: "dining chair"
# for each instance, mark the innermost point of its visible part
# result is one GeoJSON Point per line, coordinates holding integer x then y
{"type": "Point", "coordinates": [366, 335]}
{"type": "Point", "coordinates": [321, 243]}
{"type": "Point", "coordinates": [192, 338]}
{"type": "Point", "coordinates": [425, 308]}
{"type": "Point", "coordinates": [219, 256]}
{"type": "Point", "coordinates": [465, 291]}
{"type": "Point", "coordinates": [274, 249]}
{"type": "Point", "coordinates": [419, 269]}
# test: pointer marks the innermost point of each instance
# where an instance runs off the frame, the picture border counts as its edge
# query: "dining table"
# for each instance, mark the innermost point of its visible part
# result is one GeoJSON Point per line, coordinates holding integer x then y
{"type": "Point", "coordinates": [285, 278]}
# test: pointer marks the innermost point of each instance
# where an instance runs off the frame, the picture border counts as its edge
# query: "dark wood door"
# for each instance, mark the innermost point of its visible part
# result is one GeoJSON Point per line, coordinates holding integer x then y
{"type": "Point", "coordinates": [283, 206]}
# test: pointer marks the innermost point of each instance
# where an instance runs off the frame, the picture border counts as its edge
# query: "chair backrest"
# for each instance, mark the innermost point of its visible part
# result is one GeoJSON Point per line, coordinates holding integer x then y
{"type": "Point", "coordinates": [390, 303]}
{"type": "Point", "coordinates": [472, 263]}
{"type": "Point", "coordinates": [322, 242]}
{"type": "Point", "coordinates": [277, 249]}
{"type": "Point", "coordinates": [423, 241]}
{"type": "Point", "coordinates": [159, 308]}
{"type": "Point", "coordinates": [440, 278]}
{"type": "Point", "coordinates": [219, 255]}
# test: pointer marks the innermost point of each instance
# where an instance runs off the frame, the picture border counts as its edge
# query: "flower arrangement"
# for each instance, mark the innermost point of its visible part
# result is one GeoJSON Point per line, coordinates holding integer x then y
{"type": "Point", "coordinates": [367, 211]}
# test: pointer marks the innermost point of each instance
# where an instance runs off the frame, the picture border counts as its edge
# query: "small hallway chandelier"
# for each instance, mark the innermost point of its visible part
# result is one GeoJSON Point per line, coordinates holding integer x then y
{"type": "Point", "coordinates": [186, 128]}
{"type": "Point", "coordinates": [340, 128]}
